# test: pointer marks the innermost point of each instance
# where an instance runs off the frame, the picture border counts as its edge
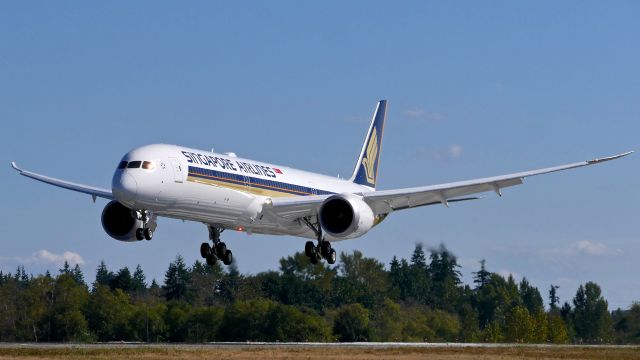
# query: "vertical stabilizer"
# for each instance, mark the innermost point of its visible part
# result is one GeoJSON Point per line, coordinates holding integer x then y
{"type": "Point", "coordinates": [366, 171]}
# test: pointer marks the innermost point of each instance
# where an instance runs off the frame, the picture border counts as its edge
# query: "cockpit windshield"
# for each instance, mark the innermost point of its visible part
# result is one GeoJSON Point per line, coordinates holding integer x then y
{"type": "Point", "coordinates": [147, 165]}
{"type": "Point", "coordinates": [134, 164]}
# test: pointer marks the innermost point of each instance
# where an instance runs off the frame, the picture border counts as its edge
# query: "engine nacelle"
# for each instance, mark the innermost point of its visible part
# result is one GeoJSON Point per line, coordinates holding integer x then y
{"type": "Point", "coordinates": [345, 216]}
{"type": "Point", "coordinates": [119, 223]}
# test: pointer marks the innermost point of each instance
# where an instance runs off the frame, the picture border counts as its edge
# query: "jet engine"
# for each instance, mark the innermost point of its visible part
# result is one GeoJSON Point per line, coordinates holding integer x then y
{"type": "Point", "coordinates": [345, 216]}
{"type": "Point", "coordinates": [119, 222]}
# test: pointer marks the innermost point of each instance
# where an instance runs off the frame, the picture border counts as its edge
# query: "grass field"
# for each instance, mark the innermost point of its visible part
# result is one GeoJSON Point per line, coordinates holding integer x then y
{"type": "Point", "coordinates": [271, 352]}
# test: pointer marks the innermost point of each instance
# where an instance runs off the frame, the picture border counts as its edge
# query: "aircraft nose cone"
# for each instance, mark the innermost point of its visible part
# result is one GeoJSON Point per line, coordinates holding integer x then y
{"type": "Point", "coordinates": [126, 188]}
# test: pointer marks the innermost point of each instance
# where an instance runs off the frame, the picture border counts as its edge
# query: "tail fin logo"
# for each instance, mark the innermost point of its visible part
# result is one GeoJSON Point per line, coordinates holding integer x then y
{"type": "Point", "coordinates": [369, 162]}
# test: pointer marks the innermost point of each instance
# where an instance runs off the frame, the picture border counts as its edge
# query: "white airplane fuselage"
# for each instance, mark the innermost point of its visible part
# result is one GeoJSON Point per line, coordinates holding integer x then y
{"type": "Point", "coordinates": [217, 189]}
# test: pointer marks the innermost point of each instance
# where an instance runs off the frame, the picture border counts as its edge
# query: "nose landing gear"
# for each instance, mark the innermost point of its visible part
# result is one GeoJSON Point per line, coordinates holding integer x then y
{"type": "Point", "coordinates": [218, 250]}
{"type": "Point", "coordinates": [145, 232]}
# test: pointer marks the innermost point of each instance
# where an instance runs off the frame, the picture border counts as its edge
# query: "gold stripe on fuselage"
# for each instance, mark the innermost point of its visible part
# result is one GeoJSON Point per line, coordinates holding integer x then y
{"type": "Point", "coordinates": [240, 187]}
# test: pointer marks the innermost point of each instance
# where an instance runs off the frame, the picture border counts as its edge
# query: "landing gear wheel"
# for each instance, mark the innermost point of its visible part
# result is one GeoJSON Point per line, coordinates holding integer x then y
{"type": "Point", "coordinates": [227, 258]}
{"type": "Point", "coordinates": [148, 234]}
{"type": "Point", "coordinates": [325, 249]}
{"type": "Point", "coordinates": [331, 259]}
{"type": "Point", "coordinates": [211, 260]}
{"type": "Point", "coordinates": [221, 250]}
{"type": "Point", "coordinates": [140, 234]}
{"type": "Point", "coordinates": [309, 249]}
{"type": "Point", "coordinates": [314, 259]}
{"type": "Point", "coordinates": [205, 250]}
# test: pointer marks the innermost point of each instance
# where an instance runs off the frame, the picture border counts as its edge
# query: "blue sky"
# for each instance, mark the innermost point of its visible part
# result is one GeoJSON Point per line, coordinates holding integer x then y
{"type": "Point", "coordinates": [473, 90]}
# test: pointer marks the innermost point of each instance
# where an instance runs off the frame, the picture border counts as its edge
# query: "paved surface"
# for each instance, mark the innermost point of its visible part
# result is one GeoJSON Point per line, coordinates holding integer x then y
{"type": "Point", "coordinates": [257, 345]}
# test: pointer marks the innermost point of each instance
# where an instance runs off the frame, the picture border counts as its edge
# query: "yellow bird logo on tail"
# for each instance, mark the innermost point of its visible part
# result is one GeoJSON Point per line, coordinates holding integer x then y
{"type": "Point", "coordinates": [370, 161]}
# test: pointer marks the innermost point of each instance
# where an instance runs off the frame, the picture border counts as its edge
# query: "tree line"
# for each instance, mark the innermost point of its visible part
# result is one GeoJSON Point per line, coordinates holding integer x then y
{"type": "Point", "coordinates": [419, 299]}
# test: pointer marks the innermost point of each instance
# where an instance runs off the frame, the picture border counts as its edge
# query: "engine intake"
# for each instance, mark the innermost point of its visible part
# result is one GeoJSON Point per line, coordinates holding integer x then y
{"type": "Point", "coordinates": [118, 222]}
{"type": "Point", "coordinates": [345, 216]}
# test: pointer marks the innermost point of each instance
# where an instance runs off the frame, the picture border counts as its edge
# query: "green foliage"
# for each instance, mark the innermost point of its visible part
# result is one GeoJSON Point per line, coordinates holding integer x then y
{"type": "Point", "coordinates": [591, 316]}
{"type": "Point", "coordinates": [177, 281]}
{"type": "Point", "coordinates": [386, 324]}
{"type": "Point", "coordinates": [416, 324]}
{"type": "Point", "coordinates": [557, 330]}
{"type": "Point", "coordinates": [627, 324]}
{"type": "Point", "coordinates": [352, 323]}
{"type": "Point", "coordinates": [519, 325]}
{"type": "Point", "coordinates": [265, 320]}
{"type": "Point", "coordinates": [422, 299]}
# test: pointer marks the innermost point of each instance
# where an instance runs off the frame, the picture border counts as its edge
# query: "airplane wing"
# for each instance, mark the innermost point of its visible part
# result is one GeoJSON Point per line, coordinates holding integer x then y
{"type": "Point", "coordinates": [93, 191]}
{"type": "Point", "coordinates": [386, 201]}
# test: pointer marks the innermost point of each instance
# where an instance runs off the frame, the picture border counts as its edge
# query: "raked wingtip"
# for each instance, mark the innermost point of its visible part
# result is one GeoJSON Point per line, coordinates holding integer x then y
{"type": "Point", "coordinates": [594, 161]}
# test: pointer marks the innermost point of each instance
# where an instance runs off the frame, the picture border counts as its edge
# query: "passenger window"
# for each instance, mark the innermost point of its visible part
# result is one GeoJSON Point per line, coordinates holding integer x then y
{"type": "Point", "coordinates": [149, 165]}
{"type": "Point", "coordinates": [134, 164]}
{"type": "Point", "coordinates": [122, 165]}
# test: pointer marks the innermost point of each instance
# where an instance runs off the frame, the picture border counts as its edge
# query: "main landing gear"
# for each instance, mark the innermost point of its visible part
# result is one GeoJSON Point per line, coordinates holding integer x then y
{"type": "Point", "coordinates": [145, 232]}
{"type": "Point", "coordinates": [321, 251]}
{"type": "Point", "coordinates": [218, 250]}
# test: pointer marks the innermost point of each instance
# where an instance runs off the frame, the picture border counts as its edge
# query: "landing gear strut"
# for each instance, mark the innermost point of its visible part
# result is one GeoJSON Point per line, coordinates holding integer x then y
{"type": "Point", "coordinates": [218, 250]}
{"type": "Point", "coordinates": [145, 232]}
{"type": "Point", "coordinates": [323, 250]}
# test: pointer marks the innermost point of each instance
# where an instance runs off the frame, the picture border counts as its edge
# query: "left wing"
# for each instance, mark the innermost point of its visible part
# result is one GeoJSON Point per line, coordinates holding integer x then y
{"type": "Point", "coordinates": [93, 191]}
{"type": "Point", "coordinates": [386, 201]}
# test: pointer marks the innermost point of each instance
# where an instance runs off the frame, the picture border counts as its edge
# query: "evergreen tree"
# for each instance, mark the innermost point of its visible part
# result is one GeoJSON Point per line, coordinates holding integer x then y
{"type": "Point", "coordinates": [77, 275]}
{"type": "Point", "coordinates": [417, 280]}
{"type": "Point", "coordinates": [177, 280]}
{"type": "Point", "coordinates": [591, 317]}
{"type": "Point", "coordinates": [138, 282]}
{"type": "Point", "coordinates": [554, 300]}
{"type": "Point", "coordinates": [445, 279]}
{"type": "Point", "coordinates": [122, 280]}
{"type": "Point", "coordinates": [66, 269]}
{"type": "Point", "coordinates": [229, 288]}
{"type": "Point", "coordinates": [418, 258]}
{"type": "Point", "coordinates": [205, 281]}
{"type": "Point", "coordinates": [481, 277]}
{"type": "Point", "coordinates": [531, 297]}
{"type": "Point", "coordinates": [103, 276]}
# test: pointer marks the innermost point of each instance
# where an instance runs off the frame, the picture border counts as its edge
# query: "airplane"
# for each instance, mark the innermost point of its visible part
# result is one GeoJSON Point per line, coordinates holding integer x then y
{"type": "Point", "coordinates": [226, 192]}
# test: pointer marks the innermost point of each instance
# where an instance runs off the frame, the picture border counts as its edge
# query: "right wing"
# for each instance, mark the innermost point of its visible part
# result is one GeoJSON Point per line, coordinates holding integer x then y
{"type": "Point", "coordinates": [386, 201]}
{"type": "Point", "coordinates": [93, 191]}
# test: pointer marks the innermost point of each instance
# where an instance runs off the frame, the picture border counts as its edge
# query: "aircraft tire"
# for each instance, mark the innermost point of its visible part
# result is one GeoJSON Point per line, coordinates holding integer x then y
{"type": "Point", "coordinates": [228, 257]}
{"type": "Point", "coordinates": [325, 249]}
{"type": "Point", "coordinates": [205, 250]}
{"type": "Point", "coordinates": [148, 233]}
{"type": "Point", "coordinates": [221, 250]}
{"type": "Point", "coordinates": [140, 234]}
{"type": "Point", "coordinates": [309, 249]}
{"type": "Point", "coordinates": [211, 260]}
{"type": "Point", "coordinates": [331, 259]}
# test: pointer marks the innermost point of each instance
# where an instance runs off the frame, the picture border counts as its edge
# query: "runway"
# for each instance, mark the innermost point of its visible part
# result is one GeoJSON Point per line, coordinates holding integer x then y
{"type": "Point", "coordinates": [303, 345]}
{"type": "Point", "coordinates": [316, 351]}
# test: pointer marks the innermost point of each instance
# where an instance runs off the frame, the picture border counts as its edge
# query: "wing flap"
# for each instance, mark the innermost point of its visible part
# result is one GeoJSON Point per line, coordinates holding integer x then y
{"type": "Point", "coordinates": [296, 207]}
{"type": "Point", "coordinates": [91, 190]}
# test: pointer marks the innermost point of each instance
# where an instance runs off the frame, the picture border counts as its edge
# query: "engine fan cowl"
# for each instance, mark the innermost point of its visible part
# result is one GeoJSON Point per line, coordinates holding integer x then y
{"type": "Point", "coordinates": [345, 216]}
{"type": "Point", "coordinates": [118, 222]}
